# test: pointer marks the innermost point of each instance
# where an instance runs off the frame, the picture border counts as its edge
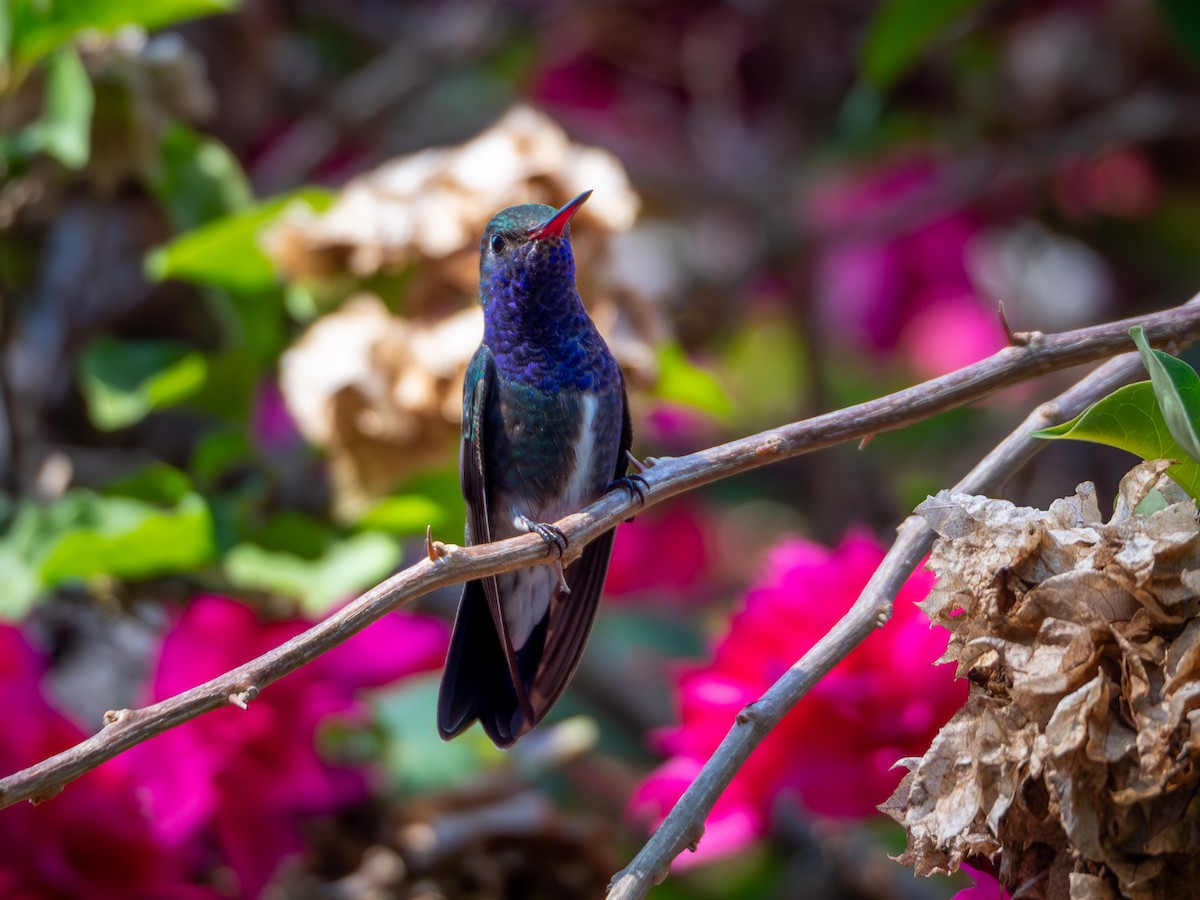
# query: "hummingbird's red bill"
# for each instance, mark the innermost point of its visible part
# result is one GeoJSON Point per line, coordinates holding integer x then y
{"type": "Point", "coordinates": [557, 223]}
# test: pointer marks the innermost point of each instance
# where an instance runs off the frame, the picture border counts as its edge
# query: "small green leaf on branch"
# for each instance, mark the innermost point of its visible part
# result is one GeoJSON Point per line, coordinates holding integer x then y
{"type": "Point", "coordinates": [1130, 419]}
{"type": "Point", "coordinates": [1177, 388]}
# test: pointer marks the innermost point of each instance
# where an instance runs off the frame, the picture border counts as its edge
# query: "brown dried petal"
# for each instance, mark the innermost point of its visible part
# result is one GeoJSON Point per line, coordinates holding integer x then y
{"type": "Point", "coordinates": [1075, 760]}
{"type": "Point", "coordinates": [382, 395]}
{"type": "Point", "coordinates": [433, 205]}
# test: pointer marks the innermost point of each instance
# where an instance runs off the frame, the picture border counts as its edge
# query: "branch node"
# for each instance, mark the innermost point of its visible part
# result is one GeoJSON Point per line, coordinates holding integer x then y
{"type": "Point", "coordinates": [883, 616]}
{"type": "Point", "coordinates": [435, 550]}
{"type": "Point", "coordinates": [1026, 338]}
{"type": "Point", "coordinates": [1050, 411]}
{"type": "Point", "coordinates": [770, 447]}
{"type": "Point", "coordinates": [49, 793]}
{"type": "Point", "coordinates": [750, 715]}
{"type": "Point", "coordinates": [116, 716]}
{"type": "Point", "coordinates": [241, 699]}
{"type": "Point", "coordinates": [866, 439]}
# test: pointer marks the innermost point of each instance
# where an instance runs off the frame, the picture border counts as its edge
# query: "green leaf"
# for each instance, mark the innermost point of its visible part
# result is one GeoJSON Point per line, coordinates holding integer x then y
{"type": "Point", "coordinates": [1177, 388]}
{"type": "Point", "coordinates": [127, 539]}
{"type": "Point", "coordinates": [198, 179]}
{"type": "Point", "coordinates": [901, 32]}
{"type": "Point", "coordinates": [65, 129]}
{"type": "Point", "coordinates": [6, 36]}
{"type": "Point", "coordinates": [22, 550]}
{"type": "Point", "coordinates": [343, 569]}
{"type": "Point", "coordinates": [417, 758]}
{"type": "Point", "coordinates": [154, 483]}
{"type": "Point", "coordinates": [219, 452]}
{"type": "Point", "coordinates": [1183, 20]}
{"type": "Point", "coordinates": [407, 514]}
{"type": "Point", "coordinates": [123, 381]}
{"type": "Point", "coordinates": [40, 27]}
{"type": "Point", "coordinates": [226, 252]}
{"type": "Point", "coordinates": [679, 381]}
{"type": "Point", "coordinates": [765, 367]}
{"type": "Point", "coordinates": [1129, 418]}
{"type": "Point", "coordinates": [1152, 503]}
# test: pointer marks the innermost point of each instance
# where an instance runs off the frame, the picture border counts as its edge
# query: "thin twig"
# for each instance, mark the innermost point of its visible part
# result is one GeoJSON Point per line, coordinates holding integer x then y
{"type": "Point", "coordinates": [668, 477]}
{"type": "Point", "coordinates": [684, 826]}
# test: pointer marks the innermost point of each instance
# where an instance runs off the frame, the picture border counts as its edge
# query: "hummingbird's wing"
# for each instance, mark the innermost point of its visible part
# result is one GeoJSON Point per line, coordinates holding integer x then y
{"type": "Point", "coordinates": [570, 617]}
{"type": "Point", "coordinates": [481, 651]}
{"type": "Point", "coordinates": [479, 395]}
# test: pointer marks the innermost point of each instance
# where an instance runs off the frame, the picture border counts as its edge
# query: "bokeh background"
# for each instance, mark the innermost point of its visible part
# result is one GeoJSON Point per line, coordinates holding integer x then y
{"type": "Point", "coordinates": [238, 251]}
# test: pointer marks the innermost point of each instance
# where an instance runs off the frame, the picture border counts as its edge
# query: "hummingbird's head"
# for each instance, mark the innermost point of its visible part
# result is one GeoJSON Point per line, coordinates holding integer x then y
{"type": "Point", "coordinates": [526, 248]}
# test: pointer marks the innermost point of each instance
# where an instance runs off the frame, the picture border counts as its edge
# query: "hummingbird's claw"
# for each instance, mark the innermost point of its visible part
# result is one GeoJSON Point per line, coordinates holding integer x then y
{"type": "Point", "coordinates": [551, 534]}
{"type": "Point", "coordinates": [635, 484]}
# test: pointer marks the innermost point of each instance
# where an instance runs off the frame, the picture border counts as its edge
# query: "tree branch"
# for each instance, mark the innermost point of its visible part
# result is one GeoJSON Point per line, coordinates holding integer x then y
{"type": "Point", "coordinates": [448, 564]}
{"type": "Point", "coordinates": [684, 826]}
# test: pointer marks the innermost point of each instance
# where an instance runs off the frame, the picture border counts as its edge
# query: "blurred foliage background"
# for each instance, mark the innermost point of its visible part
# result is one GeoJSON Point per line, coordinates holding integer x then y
{"type": "Point", "coordinates": [238, 244]}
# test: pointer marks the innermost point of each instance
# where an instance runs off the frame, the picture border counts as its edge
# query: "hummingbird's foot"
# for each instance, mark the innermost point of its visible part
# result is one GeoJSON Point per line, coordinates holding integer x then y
{"type": "Point", "coordinates": [635, 484]}
{"type": "Point", "coordinates": [551, 534]}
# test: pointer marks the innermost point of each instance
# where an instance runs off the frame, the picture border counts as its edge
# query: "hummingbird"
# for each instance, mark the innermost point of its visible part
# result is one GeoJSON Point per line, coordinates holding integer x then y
{"type": "Point", "coordinates": [545, 431]}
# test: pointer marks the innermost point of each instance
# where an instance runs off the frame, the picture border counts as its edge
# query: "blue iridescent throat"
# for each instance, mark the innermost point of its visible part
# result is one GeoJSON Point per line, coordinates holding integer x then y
{"type": "Point", "coordinates": [534, 322]}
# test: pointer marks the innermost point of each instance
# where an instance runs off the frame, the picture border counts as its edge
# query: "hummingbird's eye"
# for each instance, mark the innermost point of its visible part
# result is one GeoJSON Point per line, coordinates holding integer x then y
{"type": "Point", "coordinates": [497, 244]}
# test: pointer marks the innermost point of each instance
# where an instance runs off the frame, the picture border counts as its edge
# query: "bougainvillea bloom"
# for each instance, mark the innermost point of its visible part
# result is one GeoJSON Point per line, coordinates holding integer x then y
{"type": "Point", "coordinates": [234, 784]}
{"type": "Point", "coordinates": [663, 552]}
{"type": "Point", "coordinates": [833, 753]}
{"type": "Point", "coordinates": [986, 886]}
{"type": "Point", "coordinates": [93, 841]}
{"type": "Point", "coordinates": [1122, 184]}
{"type": "Point", "coordinates": [891, 263]}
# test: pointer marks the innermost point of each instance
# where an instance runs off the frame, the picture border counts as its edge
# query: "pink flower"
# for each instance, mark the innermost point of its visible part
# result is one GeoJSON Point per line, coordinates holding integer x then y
{"type": "Point", "coordinates": [834, 753]}
{"type": "Point", "coordinates": [234, 784]}
{"type": "Point", "coordinates": [986, 886]}
{"type": "Point", "coordinates": [274, 428]}
{"type": "Point", "coordinates": [892, 263]}
{"type": "Point", "coordinates": [93, 841]}
{"type": "Point", "coordinates": [677, 428]}
{"type": "Point", "coordinates": [663, 552]}
{"type": "Point", "coordinates": [1122, 184]}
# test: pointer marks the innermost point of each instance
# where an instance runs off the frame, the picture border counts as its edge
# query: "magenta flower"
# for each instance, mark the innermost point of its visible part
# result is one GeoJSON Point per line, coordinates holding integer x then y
{"type": "Point", "coordinates": [986, 886]}
{"type": "Point", "coordinates": [233, 785]}
{"type": "Point", "coordinates": [273, 427]}
{"type": "Point", "coordinates": [890, 274]}
{"type": "Point", "coordinates": [834, 753]}
{"type": "Point", "coordinates": [663, 553]}
{"type": "Point", "coordinates": [1122, 184]}
{"type": "Point", "coordinates": [94, 841]}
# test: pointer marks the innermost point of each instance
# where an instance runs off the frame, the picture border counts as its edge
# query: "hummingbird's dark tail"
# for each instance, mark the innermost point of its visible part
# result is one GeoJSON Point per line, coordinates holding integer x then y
{"type": "Point", "coordinates": [475, 681]}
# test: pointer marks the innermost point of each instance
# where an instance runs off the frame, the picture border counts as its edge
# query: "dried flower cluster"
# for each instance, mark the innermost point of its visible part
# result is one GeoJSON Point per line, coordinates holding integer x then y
{"type": "Point", "coordinates": [382, 394]}
{"type": "Point", "coordinates": [1074, 763]}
